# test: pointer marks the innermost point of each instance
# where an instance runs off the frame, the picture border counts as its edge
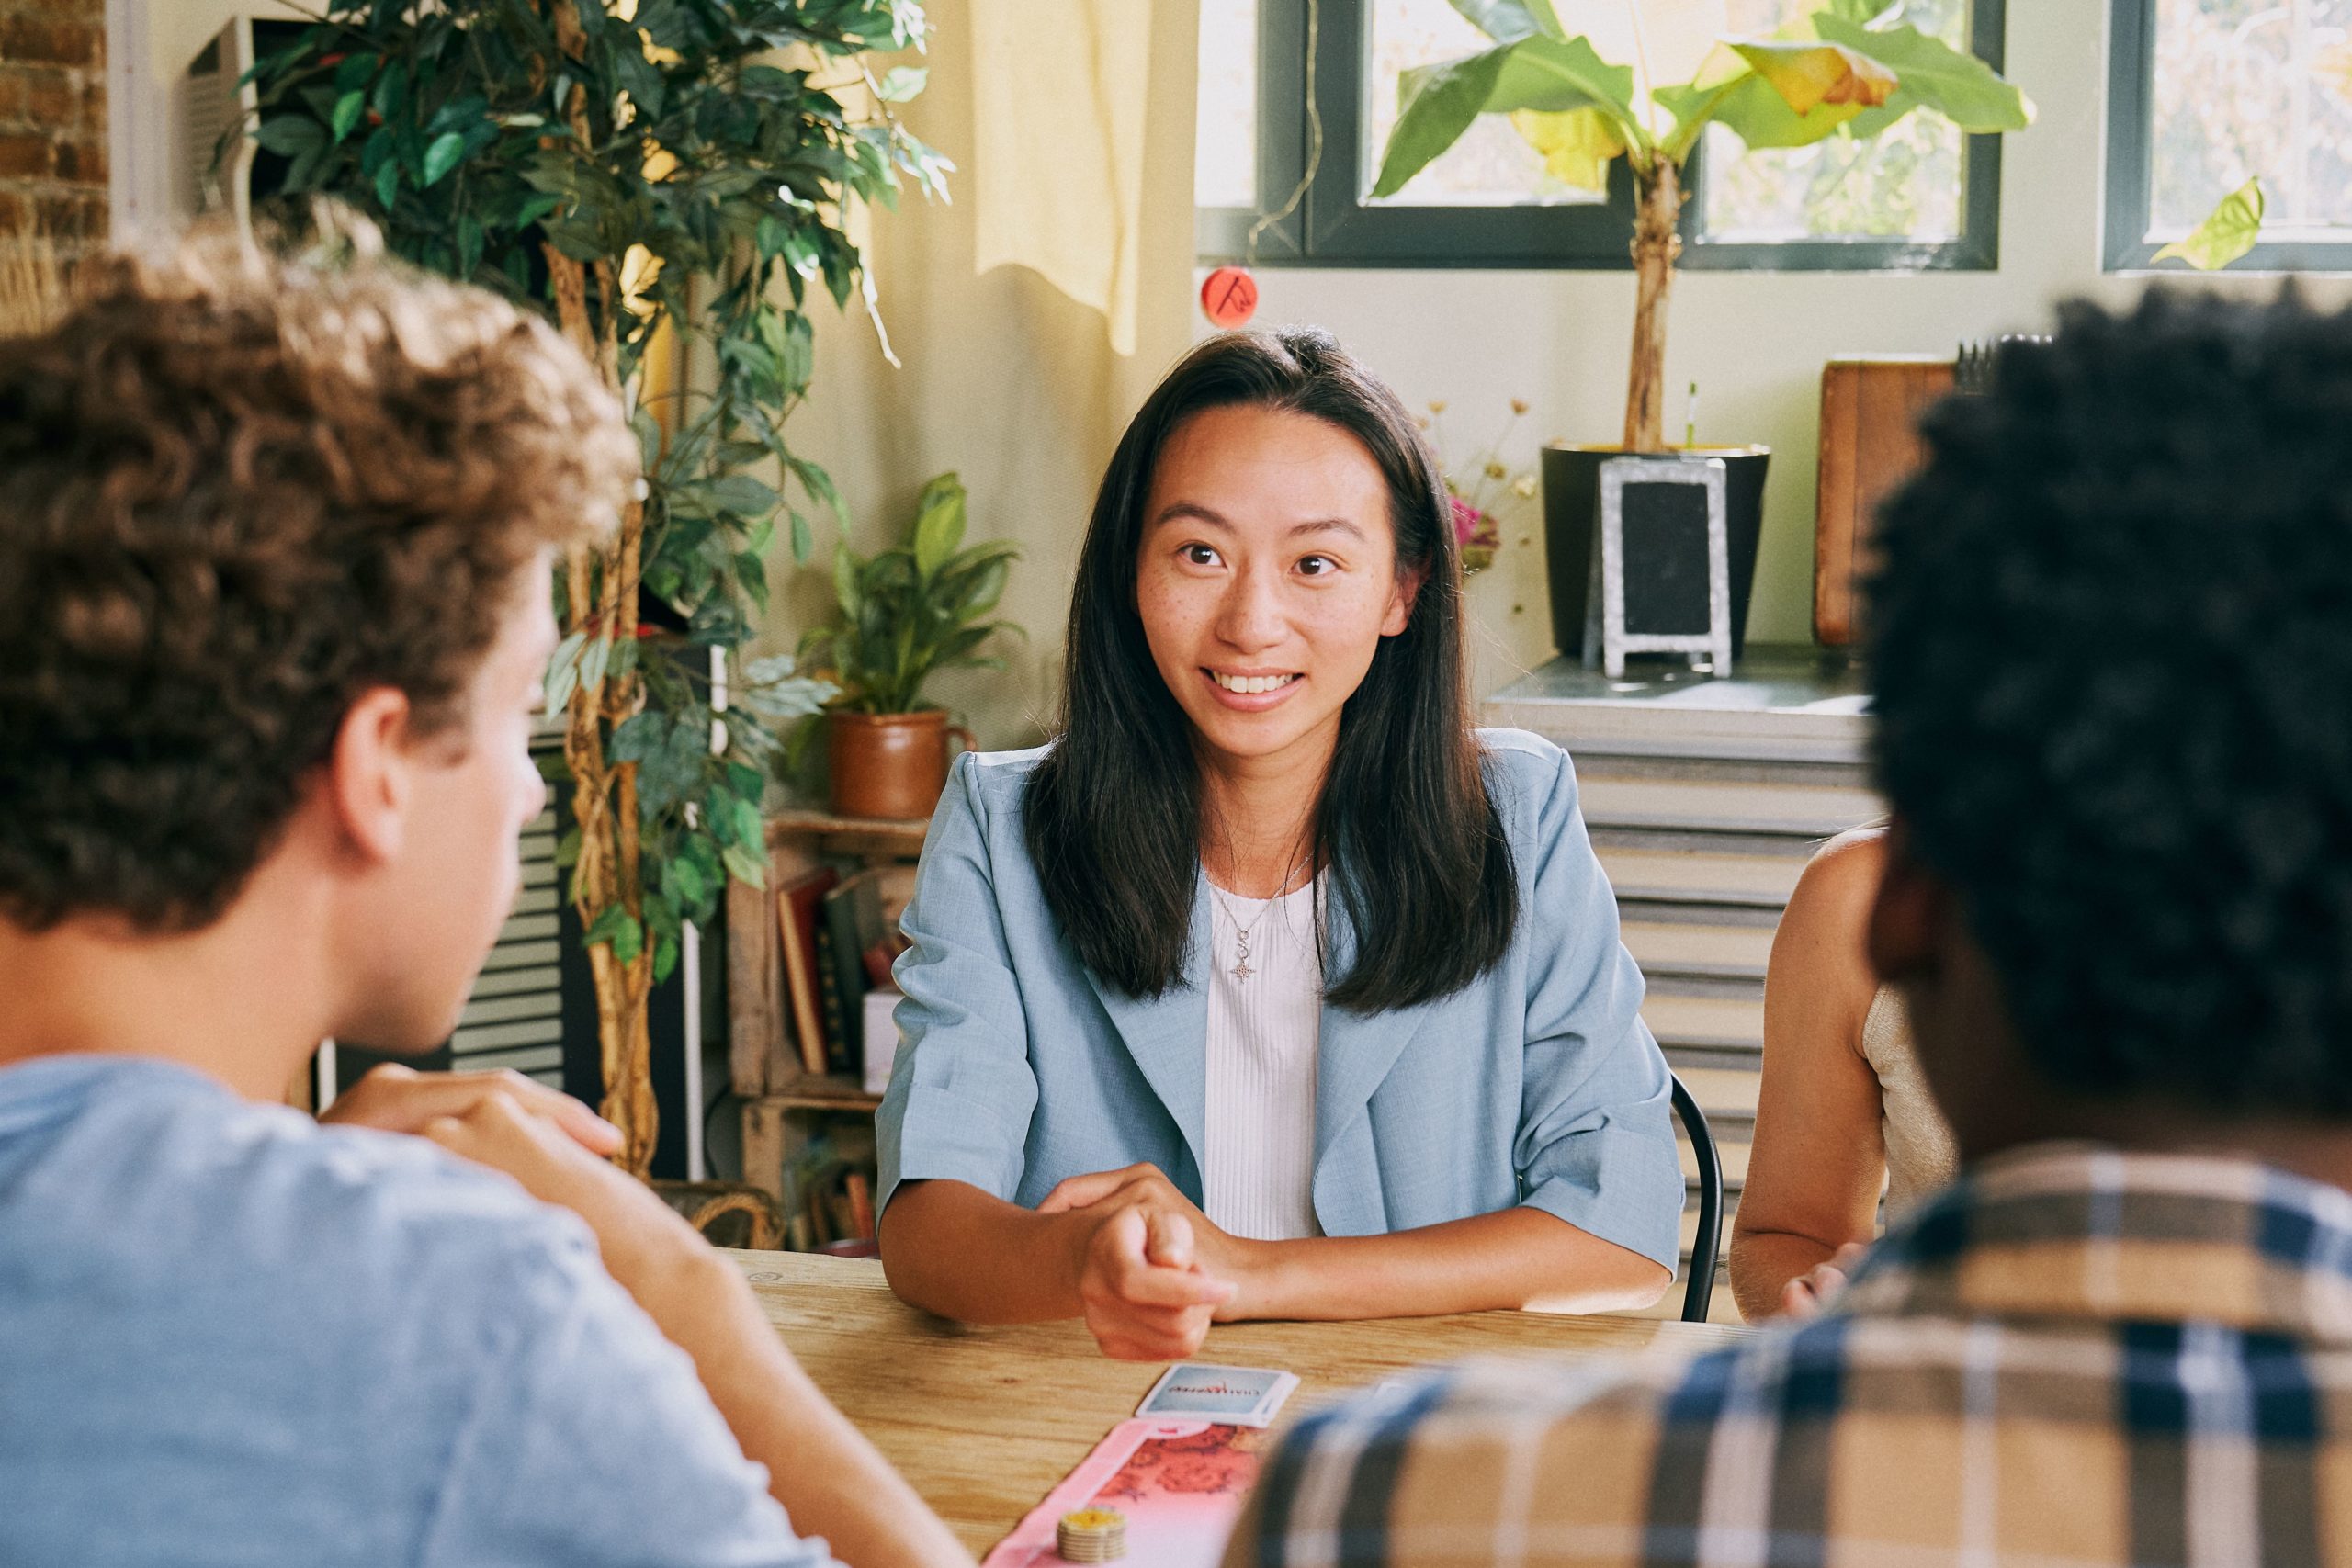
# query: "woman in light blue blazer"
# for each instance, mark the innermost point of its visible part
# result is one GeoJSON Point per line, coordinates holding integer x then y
{"type": "Point", "coordinates": [1270, 989]}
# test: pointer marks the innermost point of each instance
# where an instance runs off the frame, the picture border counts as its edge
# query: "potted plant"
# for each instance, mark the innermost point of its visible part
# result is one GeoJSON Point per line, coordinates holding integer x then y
{"type": "Point", "coordinates": [638, 171]}
{"type": "Point", "coordinates": [1848, 68]}
{"type": "Point", "coordinates": [914, 608]}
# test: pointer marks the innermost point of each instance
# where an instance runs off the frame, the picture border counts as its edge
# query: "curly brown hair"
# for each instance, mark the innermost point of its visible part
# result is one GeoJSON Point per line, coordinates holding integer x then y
{"type": "Point", "coordinates": [239, 487]}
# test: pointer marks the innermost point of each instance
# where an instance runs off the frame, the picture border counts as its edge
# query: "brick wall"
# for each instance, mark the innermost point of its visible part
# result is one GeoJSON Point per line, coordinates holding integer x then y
{"type": "Point", "coordinates": [53, 119]}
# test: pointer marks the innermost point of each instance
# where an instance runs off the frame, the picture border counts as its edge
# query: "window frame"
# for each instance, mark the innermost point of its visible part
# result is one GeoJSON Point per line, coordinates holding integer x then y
{"type": "Point", "coordinates": [2131, 164]}
{"type": "Point", "coordinates": [1333, 228]}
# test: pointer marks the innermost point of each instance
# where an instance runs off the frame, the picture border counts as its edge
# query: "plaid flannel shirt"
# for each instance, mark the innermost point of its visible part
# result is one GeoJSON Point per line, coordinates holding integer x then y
{"type": "Point", "coordinates": [2075, 1358]}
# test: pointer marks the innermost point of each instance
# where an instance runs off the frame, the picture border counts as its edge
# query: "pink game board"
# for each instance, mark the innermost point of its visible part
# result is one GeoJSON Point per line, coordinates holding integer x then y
{"type": "Point", "coordinates": [1181, 1483]}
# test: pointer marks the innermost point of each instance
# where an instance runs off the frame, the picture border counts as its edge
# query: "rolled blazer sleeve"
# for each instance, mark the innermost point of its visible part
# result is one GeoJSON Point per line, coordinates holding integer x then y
{"type": "Point", "coordinates": [1595, 1132]}
{"type": "Point", "coordinates": [962, 1090]}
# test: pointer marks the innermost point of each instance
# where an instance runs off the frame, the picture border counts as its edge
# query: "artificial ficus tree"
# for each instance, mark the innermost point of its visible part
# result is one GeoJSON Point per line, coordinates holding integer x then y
{"type": "Point", "coordinates": [634, 169]}
{"type": "Point", "coordinates": [1847, 68]}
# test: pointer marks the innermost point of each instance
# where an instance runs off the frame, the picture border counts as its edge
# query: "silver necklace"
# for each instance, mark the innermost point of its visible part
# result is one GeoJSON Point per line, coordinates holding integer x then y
{"type": "Point", "coordinates": [1241, 970]}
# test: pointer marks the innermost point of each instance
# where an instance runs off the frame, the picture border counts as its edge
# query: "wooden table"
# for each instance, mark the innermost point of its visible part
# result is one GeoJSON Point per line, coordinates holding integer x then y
{"type": "Point", "coordinates": [986, 1421]}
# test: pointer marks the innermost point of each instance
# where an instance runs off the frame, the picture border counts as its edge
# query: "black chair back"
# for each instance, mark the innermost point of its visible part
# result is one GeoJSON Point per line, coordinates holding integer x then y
{"type": "Point", "coordinates": [1699, 1291]}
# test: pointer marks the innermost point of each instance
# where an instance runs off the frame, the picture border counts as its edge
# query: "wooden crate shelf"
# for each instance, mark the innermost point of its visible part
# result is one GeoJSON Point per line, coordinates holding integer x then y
{"type": "Point", "coordinates": [830, 1092]}
{"type": "Point", "coordinates": [870, 837]}
{"type": "Point", "coordinates": [764, 1063]}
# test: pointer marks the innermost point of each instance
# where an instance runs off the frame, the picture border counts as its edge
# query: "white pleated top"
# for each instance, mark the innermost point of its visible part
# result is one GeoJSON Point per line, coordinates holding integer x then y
{"type": "Point", "coordinates": [1257, 1172]}
{"type": "Point", "coordinates": [1921, 1158]}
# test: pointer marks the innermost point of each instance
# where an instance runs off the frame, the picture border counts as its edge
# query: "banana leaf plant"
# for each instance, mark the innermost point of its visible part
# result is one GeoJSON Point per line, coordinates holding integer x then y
{"type": "Point", "coordinates": [2229, 231]}
{"type": "Point", "coordinates": [1848, 68]}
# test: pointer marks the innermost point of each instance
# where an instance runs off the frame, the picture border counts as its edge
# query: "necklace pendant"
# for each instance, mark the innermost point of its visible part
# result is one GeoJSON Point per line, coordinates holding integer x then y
{"type": "Point", "coordinates": [1241, 970]}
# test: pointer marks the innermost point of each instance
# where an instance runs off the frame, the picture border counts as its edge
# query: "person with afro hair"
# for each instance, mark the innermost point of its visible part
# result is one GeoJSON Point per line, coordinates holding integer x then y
{"type": "Point", "coordinates": [2111, 650]}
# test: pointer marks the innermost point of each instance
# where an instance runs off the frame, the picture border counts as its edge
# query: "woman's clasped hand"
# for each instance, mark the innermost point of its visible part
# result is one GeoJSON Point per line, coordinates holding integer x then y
{"type": "Point", "coordinates": [1152, 1269]}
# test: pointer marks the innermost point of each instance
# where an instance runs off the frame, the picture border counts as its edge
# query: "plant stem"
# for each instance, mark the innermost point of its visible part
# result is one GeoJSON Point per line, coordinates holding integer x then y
{"type": "Point", "coordinates": [1656, 245]}
{"type": "Point", "coordinates": [601, 591]}
{"type": "Point", "coordinates": [601, 588]}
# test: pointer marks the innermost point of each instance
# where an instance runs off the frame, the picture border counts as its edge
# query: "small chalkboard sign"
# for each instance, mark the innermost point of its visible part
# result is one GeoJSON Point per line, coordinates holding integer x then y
{"type": "Point", "coordinates": [1661, 567]}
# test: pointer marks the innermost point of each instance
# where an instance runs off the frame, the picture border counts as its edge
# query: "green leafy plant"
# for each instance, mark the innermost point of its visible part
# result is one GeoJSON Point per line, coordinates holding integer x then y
{"type": "Point", "coordinates": [1848, 68]}
{"type": "Point", "coordinates": [912, 609]}
{"type": "Point", "coordinates": [644, 172]}
{"type": "Point", "coordinates": [2229, 231]}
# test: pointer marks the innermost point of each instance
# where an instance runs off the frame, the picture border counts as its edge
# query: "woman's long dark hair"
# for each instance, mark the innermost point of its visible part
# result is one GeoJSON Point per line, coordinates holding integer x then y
{"type": "Point", "coordinates": [1415, 849]}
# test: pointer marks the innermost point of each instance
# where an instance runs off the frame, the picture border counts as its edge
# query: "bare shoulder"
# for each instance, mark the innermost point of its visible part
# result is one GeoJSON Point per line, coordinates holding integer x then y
{"type": "Point", "coordinates": [1835, 891]}
{"type": "Point", "coordinates": [1850, 861]}
{"type": "Point", "coordinates": [1818, 964]}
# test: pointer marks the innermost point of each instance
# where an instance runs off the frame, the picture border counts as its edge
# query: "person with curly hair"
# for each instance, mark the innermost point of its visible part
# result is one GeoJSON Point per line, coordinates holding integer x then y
{"type": "Point", "coordinates": [276, 534]}
{"type": "Point", "coordinates": [2111, 644]}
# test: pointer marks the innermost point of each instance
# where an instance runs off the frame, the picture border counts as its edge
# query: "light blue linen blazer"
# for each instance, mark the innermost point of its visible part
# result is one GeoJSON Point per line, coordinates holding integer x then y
{"type": "Point", "coordinates": [1536, 1084]}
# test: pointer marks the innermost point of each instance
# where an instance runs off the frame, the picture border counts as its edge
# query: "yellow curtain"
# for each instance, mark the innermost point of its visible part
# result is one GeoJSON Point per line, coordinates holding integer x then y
{"type": "Point", "coordinates": [1030, 315]}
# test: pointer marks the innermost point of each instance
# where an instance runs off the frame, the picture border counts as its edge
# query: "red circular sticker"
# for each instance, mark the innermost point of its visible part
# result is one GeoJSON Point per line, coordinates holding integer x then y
{"type": "Point", "coordinates": [1230, 297]}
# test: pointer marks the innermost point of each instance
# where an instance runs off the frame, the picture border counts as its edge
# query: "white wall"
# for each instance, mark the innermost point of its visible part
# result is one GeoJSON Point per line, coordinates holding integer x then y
{"type": "Point", "coordinates": [1755, 342]}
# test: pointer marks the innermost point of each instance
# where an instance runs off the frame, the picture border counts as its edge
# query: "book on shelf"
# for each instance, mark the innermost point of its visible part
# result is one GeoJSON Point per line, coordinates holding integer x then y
{"type": "Point", "coordinates": [797, 904]}
{"type": "Point", "coordinates": [878, 959]}
{"type": "Point", "coordinates": [859, 945]}
{"type": "Point", "coordinates": [881, 1037]}
{"type": "Point", "coordinates": [837, 1007]}
{"type": "Point", "coordinates": [836, 1203]}
{"type": "Point", "coordinates": [860, 1194]}
{"type": "Point", "coordinates": [855, 934]}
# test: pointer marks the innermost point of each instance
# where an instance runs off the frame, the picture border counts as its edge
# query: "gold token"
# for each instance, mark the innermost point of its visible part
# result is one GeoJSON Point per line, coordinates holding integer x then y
{"type": "Point", "coordinates": [1092, 1535]}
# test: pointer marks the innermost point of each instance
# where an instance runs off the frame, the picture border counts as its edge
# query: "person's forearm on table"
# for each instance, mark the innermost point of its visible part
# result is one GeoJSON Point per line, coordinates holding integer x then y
{"type": "Point", "coordinates": [950, 1248]}
{"type": "Point", "coordinates": [953, 1250]}
{"type": "Point", "coordinates": [1516, 1258]}
{"type": "Point", "coordinates": [831, 1481]}
{"type": "Point", "coordinates": [1764, 1261]}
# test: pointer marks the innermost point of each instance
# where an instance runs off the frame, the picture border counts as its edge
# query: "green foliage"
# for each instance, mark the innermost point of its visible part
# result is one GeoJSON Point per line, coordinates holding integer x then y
{"type": "Point", "coordinates": [2228, 232]}
{"type": "Point", "coordinates": [1934, 75]}
{"type": "Point", "coordinates": [912, 609]}
{"type": "Point", "coordinates": [1836, 74]}
{"type": "Point", "coordinates": [1507, 20]}
{"type": "Point", "coordinates": [700, 803]}
{"type": "Point", "coordinates": [451, 129]}
{"type": "Point", "coordinates": [695, 156]}
{"type": "Point", "coordinates": [1903, 179]}
{"type": "Point", "coordinates": [1536, 72]}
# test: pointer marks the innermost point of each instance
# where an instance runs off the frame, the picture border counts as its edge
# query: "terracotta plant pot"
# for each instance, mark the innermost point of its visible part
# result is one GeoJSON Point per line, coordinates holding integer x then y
{"type": "Point", "coordinates": [889, 764]}
{"type": "Point", "coordinates": [1572, 511]}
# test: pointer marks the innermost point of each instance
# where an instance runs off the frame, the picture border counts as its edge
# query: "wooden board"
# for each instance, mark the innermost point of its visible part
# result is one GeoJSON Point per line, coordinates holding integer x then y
{"type": "Point", "coordinates": [1870, 444]}
{"type": "Point", "coordinates": [985, 1421]}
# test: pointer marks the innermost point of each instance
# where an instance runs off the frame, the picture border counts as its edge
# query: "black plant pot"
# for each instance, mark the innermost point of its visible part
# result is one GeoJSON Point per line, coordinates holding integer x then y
{"type": "Point", "coordinates": [1572, 514]}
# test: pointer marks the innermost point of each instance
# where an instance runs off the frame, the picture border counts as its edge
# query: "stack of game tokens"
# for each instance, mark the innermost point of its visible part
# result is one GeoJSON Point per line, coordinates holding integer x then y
{"type": "Point", "coordinates": [1092, 1535]}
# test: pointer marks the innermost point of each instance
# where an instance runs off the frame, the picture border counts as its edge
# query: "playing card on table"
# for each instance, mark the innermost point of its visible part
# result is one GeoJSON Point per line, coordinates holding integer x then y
{"type": "Point", "coordinates": [1237, 1396]}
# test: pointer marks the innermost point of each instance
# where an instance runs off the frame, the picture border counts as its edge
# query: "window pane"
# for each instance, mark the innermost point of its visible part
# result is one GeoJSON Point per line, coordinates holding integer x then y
{"type": "Point", "coordinates": [2247, 87]}
{"type": "Point", "coordinates": [1908, 182]}
{"type": "Point", "coordinates": [1491, 165]}
{"type": "Point", "coordinates": [1225, 153]}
